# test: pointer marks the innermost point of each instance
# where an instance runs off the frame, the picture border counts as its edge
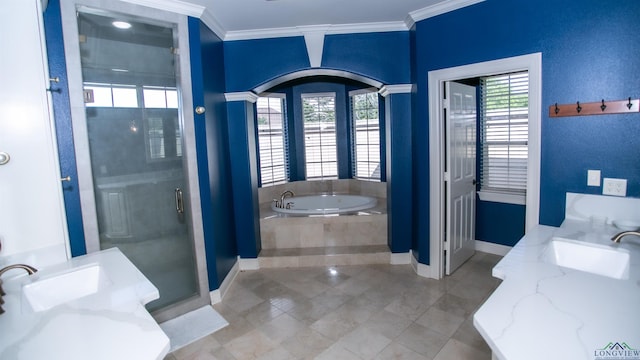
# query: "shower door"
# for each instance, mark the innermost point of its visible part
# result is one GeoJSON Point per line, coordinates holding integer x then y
{"type": "Point", "coordinates": [137, 167]}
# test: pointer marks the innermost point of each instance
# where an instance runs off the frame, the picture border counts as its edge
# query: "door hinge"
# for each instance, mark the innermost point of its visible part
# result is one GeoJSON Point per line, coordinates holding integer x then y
{"type": "Point", "coordinates": [174, 50]}
{"type": "Point", "coordinates": [445, 176]}
{"type": "Point", "coordinates": [445, 103]}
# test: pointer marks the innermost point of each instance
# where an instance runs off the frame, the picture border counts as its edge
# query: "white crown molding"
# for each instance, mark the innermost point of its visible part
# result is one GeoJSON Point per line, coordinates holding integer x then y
{"type": "Point", "coordinates": [199, 11]}
{"type": "Point", "coordinates": [396, 89]}
{"type": "Point", "coordinates": [174, 6]}
{"type": "Point", "coordinates": [438, 9]}
{"type": "Point", "coordinates": [213, 24]}
{"type": "Point", "coordinates": [327, 29]}
{"type": "Point", "coordinates": [241, 96]}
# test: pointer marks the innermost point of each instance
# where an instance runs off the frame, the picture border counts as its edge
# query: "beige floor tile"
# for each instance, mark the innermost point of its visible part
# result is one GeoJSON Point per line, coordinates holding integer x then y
{"type": "Point", "coordinates": [337, 351]}
{"type": "Point", "coordinates": [444, 323]}
{"type": "Point", "coordinates": [250, 345]}
{"type": "Point", "coordinates": [307, 344]}
{"type": "Point", "coordinates": [395, 351]}
{"type": "Point", "coordinates": [422, 340]}
{"type": "Point", "coordinates": [365, 342]}
{"type": "Point", "coordinates": [468, 334]}
{"type": "Point", "coordinates": [282, 327]}
{"type": "Point", "coordinates": [387, 324]}
{"type": "Point", "coordinates": [455, 350]}
{"type": "Point", "coordinates": [350, 312]}
{"type": "Point", "coordinates": [261, 313]}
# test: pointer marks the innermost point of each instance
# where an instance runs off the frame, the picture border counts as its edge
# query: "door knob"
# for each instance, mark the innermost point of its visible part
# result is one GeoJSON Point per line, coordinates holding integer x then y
{"type": "Point", "coordinates": [4, 158]}
{"type": "Point", "coordinates": [200, 110]}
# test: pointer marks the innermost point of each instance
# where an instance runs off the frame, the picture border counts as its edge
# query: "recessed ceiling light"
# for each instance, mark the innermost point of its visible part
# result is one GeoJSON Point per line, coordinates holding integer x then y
{"type": "Point", "coordinates": [120, 70]}
{"type": "Point", "coordinates": [121, 25]}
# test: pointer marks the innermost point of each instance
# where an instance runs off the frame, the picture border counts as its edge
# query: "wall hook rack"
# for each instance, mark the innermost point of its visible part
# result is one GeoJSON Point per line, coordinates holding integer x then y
{"type": "Point", "coordinates": [595, 108]}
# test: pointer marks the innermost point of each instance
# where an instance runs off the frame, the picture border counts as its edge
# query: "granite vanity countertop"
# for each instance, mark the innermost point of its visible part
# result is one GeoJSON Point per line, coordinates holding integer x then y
{"type": "Point", "coordinates": [110, 324]}
{"type": "Point", "coordinates": [544, 311]}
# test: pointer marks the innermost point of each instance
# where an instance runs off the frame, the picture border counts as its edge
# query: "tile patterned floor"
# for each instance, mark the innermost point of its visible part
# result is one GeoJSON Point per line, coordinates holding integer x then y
{"type": "Point", "coordinates": [350, 312]}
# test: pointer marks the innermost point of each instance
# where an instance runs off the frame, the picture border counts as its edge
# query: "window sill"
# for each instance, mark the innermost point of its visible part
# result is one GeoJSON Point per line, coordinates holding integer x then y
{"type": "Point", "coordinates": [502, 197]}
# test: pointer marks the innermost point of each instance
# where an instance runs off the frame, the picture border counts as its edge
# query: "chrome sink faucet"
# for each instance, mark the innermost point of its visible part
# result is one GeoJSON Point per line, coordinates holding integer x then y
{"type": "Point", "coordinates": [30, 270]}
{"type": "Point", "coordinates": [616, 238]}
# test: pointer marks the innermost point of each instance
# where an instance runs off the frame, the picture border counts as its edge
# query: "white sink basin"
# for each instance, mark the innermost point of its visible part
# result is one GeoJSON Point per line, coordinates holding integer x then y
{"type": "Point", "coordinates": [57, 289]}
{"type": "Point", "coordinates": [591, 258]}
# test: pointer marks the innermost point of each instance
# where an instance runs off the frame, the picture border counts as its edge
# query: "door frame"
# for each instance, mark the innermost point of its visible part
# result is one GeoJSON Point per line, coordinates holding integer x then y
{"type": "Point", "coordinates": [436, 79]}
{"type": "Point", "coordinates": [81, 141]}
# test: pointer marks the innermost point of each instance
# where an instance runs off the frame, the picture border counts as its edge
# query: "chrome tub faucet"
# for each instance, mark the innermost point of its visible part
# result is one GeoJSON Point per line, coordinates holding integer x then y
{"type": "Point", "coordinates": [280, 203]}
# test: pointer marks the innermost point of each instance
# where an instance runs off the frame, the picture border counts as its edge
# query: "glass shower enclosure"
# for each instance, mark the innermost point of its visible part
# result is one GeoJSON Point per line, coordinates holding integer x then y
{"type": "Point", "coordinates": [136, 152]}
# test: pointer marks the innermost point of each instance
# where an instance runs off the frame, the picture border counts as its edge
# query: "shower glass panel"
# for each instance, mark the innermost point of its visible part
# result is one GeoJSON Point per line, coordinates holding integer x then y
{"type": "Point", "coordinates": [135, 143]}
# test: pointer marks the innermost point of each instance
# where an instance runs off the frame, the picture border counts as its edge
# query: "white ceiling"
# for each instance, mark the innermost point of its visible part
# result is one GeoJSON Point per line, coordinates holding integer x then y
{"type": "Point", "coordinates": [245, 19]}
{"type": "Point", "coordinates": [241, 15]}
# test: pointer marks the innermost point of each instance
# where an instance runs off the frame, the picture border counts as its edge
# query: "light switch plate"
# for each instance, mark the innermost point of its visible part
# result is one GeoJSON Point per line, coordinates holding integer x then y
{"type": "Point", "coordinates": [593, 177]}
{"type": "Point", "coordinates": [616, 187]}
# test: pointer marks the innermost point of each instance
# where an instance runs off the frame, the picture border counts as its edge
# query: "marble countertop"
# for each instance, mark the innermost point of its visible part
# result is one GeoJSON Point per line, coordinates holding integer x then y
{"type": "Point", "coordinates": [544, 311]}
{"type": "Point", "coordinates": [110, 324]}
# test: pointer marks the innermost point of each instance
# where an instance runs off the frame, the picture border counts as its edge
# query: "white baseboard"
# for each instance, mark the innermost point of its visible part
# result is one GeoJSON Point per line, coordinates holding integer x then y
{"type": "Point", "coordinates": [421, 269]}
{"type": "Point", "coordinates": [492, 248]}
{"type": "Point", "coordinates": [401, 258]}
{"type": "Point", "coordinates": [219, 293]}
{"type": "Point", "coordinates": [248, 264]}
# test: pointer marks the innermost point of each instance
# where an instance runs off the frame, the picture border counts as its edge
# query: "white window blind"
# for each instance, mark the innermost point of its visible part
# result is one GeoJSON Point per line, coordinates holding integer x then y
{"type": "Point", "coordinates": [319, 113]}
{"type": "Point", "coordinates": [504, 133]}
{"type": "Point", "coordinates": [366, 135]}
{"type": "Point", "coordinates": [272, 140]}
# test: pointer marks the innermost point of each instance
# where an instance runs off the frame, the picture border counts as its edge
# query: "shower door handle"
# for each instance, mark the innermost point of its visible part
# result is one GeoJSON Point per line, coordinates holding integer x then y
{"type": "Point", "coordinates": [179, 201]}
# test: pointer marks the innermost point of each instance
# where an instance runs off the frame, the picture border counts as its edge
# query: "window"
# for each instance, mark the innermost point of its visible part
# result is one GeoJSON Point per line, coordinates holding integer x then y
{"type": "Point", "coordinates": [366, 135]}
{"type": "Point", "coordinates": [319, 118]}
{"type": "Point", "coordinates": [272, 142]}
{"type": "Point", "coordinates": [108, 95]}
{"type": "Point", "coordinates": [158, 112]}
{"type": "Point", "coordinates": [504, 133]}
{"type": "Point", "coordinates": [160, 97]}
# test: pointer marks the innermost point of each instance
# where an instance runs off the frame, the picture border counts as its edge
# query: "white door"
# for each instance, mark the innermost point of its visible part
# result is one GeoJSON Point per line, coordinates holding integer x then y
{"type": "Point", "coordinates": [460, 140]}
{"type": "Point", "coordinates": [31, 207]}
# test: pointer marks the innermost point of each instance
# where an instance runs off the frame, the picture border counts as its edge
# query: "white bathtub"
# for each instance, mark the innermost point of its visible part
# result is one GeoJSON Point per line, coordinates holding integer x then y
{"type": "Point", "coordinates": [325, 204]}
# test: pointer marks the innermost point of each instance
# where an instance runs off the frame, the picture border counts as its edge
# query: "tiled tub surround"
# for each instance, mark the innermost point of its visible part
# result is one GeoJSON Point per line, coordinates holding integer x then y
{"type": "Point", "coordinates": [544, 311]}
{"type": "Point", "coordinates": [345, 239]}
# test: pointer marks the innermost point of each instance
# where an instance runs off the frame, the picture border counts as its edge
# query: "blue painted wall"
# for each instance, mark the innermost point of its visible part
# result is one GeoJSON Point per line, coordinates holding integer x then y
{"type": "Point", "coordinates": [589, 52]}
{"type": "Point", "coordinates": [214, 174]}
{"type": "Point", "coordinates": [244, 174]}
{"type": "Point", "coordinates": [379, 56]}
{"type": "Point", "coordinates": [63, 127]}
{"type": "Point", "coordinates": [398, 171]}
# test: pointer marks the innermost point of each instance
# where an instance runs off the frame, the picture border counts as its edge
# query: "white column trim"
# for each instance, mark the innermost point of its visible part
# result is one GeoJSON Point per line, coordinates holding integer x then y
{"type": "Point", "coordinates": [241, 96]}
{"type": "Point", "coordinates": [314, 40]}
{"type": "Point", "coordinates": [396, 89]}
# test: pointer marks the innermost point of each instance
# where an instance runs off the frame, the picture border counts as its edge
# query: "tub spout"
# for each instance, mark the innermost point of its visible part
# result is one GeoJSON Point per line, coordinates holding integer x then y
{"type": "Point", "coordinates": [284, 196]}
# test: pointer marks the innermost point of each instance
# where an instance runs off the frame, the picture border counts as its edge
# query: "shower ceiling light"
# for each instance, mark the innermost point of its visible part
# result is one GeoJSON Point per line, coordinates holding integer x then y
{"type": "Point", "coordinates": [121, 25]}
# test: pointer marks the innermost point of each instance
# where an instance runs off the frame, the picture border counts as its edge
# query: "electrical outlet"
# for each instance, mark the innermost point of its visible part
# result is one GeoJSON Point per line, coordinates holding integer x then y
{"type": "Point", "coordinates": [593, 177]}
{"type": "Point", "coordinates": [616, 187]}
